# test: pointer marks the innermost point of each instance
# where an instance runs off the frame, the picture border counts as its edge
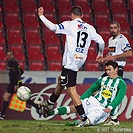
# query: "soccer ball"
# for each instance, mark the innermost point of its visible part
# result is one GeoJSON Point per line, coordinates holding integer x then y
{"type": "Point", "coordinates": [23, 93]}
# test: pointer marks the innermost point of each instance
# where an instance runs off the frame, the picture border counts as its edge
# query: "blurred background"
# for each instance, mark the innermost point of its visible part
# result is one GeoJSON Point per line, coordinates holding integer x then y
{"type": "Point", "coordinates": [37, 48]}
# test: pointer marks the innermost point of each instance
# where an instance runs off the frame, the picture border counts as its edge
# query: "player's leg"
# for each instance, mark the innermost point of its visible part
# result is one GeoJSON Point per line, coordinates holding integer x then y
{"type": "Point", "coordinates": [5, 104]}
{"type": "Point", "coordinates": [77, 102]}
{"type": "Point", "coordinates": [62, 110]}
{"type": "Point", "coordinates": [37, 106]}
{"type": "Point", "coordinates": [68, 79]}
{"type": "Point", "coordinates": [72, 91]}
{"type": "Point", "coordinates": [112, 120]}
{"type": "Point", "coordinates": [94, 111]}
{"type": "Point", "coordinates": [9, 91]}
{"type": "Point", "coordinates": [48, 105]}
{"type": "Point", "coordinates": [32, 103]}
{"type": "Point", "coordinates": [55, 95]}
{"type": "Point", "coordinates": [86, 109]}
{"type": "Point", "coordinates": [97, 116]}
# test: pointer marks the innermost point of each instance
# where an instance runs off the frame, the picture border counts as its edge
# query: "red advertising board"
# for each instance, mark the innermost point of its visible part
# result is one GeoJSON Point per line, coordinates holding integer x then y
{"type": "Point", "coordinates": [43, 91]}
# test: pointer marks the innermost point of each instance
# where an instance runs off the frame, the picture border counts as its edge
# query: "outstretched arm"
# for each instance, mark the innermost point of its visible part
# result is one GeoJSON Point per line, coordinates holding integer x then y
{"type": "Point", "coordinates": [47, 23]}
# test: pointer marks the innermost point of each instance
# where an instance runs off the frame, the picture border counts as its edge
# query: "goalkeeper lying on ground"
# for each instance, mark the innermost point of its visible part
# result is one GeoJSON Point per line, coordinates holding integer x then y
{"type": "Point", "coordinates": [110, 93]}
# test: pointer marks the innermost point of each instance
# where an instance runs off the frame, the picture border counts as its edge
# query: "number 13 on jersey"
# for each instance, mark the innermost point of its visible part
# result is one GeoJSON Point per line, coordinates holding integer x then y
{"type": "Point", "coordinates": [81, 41]}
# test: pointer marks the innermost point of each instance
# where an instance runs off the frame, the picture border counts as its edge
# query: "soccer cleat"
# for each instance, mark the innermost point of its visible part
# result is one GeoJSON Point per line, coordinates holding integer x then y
{"type": "Point", "coordinates": [39, 110]}
{"type": "Point", "coordinates": [38, 102]}
{"type": "Point", "coordinates": [2, 117]}
{"type": "Point", "coordinates": [84, 123]}
{"type": "Point", "coordinates": [47, 105]}
{"type": "Point", "coordinates": [43, 108]}
{"type": "Point", "coordinates": [46, 108]}
{"type": "Point", "coordinates": [73, 123]}
{"type": "Point", "coordinates": [111, 122]}
{"type": "Point", "coordinates": [45, 112]}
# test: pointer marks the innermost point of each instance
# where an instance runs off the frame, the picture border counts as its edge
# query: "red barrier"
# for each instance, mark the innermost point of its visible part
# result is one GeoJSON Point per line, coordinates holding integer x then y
{"type": "Point", "coordinates": [43, 91]}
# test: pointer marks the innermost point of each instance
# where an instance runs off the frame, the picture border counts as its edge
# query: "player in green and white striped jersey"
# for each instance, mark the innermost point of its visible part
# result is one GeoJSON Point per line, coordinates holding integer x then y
{"type": "Point", "coordinates": [110, 90]}
{"type": "Point", "coordinates": [119, 50]}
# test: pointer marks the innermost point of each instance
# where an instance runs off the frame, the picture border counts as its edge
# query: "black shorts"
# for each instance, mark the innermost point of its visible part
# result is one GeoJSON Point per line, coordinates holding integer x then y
{"type": "Point", "coordinates": [10, 88]}
{"type": "Point", "coordinates": [68, 77]}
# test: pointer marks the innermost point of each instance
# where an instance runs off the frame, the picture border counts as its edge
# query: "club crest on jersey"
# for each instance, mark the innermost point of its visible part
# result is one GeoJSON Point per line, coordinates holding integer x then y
{"type": "Point", "coordinates": [106, 94]}
{"type": "Point", "coordinates": [82, 27]}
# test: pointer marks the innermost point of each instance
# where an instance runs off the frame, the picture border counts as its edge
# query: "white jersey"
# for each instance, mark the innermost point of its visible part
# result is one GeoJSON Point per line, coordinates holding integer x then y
{"type": "Point", "coordinates": [78, 38]}
{"type": "Point", "coordinates": [117, 46]}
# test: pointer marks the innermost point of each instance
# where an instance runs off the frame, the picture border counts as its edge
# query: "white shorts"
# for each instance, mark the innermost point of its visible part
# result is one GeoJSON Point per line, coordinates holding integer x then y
{"type": "Point", "coordinates": [94, 110]}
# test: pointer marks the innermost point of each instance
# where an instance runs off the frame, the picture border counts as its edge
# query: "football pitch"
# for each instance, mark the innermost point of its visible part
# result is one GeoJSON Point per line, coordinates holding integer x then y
{"type": "Point", "coordinates": [34, 126]}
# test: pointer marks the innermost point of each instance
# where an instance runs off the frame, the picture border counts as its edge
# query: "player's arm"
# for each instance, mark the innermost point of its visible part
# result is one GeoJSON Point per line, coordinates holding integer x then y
{"type": "Point", "coordinates": [99, 40]}
{"type": "Point", "coordinates": [120, 95]}
{"type": "Point", "coordinates": [47, 23]}
{"type": "Point", "coordinates": [91, 90]}
{"type": "Point", "coordinates": [126, 54]}
{"type": "Point", "coordinates": [127, 51]}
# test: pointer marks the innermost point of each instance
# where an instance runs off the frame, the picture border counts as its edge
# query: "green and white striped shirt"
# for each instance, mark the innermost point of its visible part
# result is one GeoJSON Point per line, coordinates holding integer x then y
{"type": "Point", "coordinates": [110, 92]}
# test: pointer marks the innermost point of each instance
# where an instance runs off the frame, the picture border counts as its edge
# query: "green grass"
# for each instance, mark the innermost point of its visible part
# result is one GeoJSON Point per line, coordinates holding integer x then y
{"type": "Point", "coordinates": [33, 126]}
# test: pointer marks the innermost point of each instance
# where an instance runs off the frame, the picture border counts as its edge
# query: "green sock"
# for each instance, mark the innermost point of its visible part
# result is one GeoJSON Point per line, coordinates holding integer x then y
{"type": "Point", "coordinates": [60, 111]}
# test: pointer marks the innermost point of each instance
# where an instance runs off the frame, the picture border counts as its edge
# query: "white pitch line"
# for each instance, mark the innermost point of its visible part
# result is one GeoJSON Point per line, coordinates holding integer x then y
{"type": "Point", "coordinates": [57, 124]}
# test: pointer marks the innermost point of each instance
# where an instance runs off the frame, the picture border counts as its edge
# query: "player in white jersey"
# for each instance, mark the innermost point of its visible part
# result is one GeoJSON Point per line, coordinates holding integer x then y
{"type": "Point", "coordinates": [119, 47]}
{"type": "Point", "coordinates": [111, 91]}
{"type": "Point", "coordinates": [119, 50]}
{"type": "Point", "coordinates": [78, 38]}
